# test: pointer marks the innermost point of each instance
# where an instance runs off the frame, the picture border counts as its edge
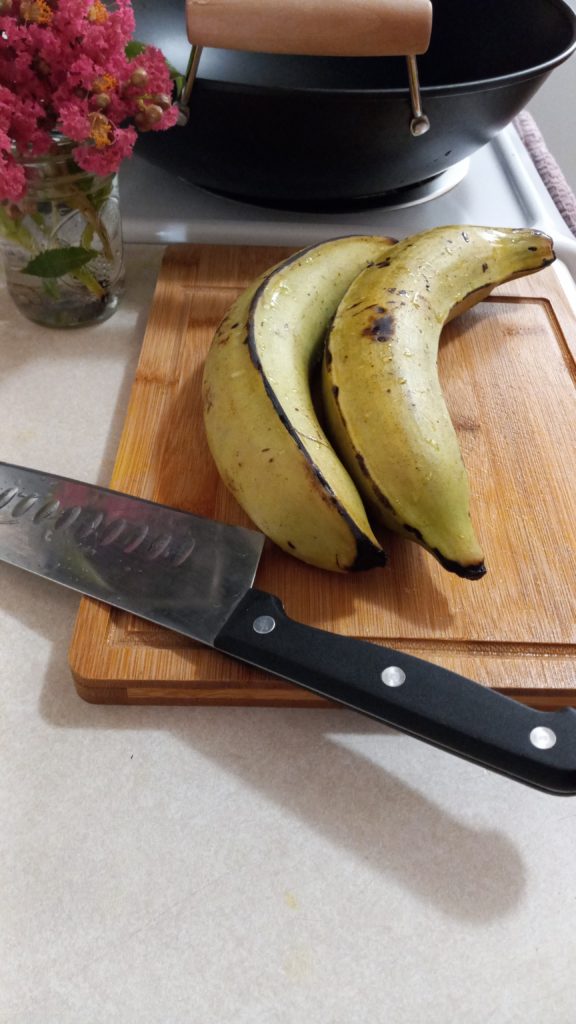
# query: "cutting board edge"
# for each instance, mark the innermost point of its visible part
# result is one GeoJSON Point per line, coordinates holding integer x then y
{"type": "Point", "coordinates": [160, 697]}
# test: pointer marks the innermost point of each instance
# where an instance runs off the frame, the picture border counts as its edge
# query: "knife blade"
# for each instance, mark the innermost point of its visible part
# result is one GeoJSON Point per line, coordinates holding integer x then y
{"type": "Point", "coordinates": [195, 576]}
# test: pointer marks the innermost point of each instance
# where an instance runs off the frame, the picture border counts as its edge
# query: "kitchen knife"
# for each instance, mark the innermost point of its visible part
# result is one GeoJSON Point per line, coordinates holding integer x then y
{"type": "Point", "coordinates": [193, 575]}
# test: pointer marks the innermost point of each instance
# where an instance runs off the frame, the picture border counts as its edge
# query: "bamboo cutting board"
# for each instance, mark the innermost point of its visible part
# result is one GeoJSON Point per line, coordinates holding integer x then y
{"type": "Point", "coordinates": [508, 371]}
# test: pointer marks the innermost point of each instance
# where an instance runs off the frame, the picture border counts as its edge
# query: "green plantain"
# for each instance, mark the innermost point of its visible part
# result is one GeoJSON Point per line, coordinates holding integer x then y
{"type": "Point", "coordinates": [382, 396]}
{"type": "Point", "coordinates": [261, 425]}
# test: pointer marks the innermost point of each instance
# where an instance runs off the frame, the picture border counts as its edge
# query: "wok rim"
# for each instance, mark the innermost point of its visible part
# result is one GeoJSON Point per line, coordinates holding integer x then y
{"type": "Point", "coordinates": [460, 88]}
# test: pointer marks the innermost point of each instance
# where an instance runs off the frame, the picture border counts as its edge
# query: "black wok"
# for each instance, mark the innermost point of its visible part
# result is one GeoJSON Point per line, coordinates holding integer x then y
{"type": "Point", "coordinates": [306, 132]}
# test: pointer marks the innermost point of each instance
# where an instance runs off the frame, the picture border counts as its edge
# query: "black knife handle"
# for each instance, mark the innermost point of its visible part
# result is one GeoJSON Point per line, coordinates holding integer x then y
{"type": "Point", "coordinates": [415, 696]}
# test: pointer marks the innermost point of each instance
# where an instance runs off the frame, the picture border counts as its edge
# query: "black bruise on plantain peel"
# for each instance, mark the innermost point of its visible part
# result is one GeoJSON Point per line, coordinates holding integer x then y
{"type": "Point", "coordinates": [381, 329]}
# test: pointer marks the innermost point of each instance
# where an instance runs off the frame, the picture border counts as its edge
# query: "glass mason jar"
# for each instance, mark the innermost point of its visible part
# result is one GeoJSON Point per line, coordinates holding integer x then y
{"type": "Point", "coordinates": [62, 243]}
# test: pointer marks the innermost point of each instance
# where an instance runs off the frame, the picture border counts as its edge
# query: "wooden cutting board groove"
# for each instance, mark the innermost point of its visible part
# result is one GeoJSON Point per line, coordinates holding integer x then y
{"type": "Point", "coordinates": [508, 371]}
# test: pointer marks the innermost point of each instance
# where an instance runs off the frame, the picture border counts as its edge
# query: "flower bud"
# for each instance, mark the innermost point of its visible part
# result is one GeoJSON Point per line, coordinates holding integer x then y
{"type": "Point", "coordinates": [162, 100]}
{"type": "Point", "coordinates": [153, 114]}
{"type": "Point", "coordinates": [100, 101]}
{"type": "Point", "coordinates": [139, 77]}
{"type": "Point", "coordinates": [148, 116]}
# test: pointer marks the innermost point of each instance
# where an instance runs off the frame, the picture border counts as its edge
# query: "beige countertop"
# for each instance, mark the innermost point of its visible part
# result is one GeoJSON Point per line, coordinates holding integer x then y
{"type": "Point", "coordinates": [255, 866]}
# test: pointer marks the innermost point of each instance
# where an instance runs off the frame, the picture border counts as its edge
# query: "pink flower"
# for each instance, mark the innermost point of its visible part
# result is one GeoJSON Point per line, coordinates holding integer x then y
{"type": "Point", "coordinates": [73, 120]}
{"type": "Point", "coordinates": [63, 67]}
{"type": "Point", "coordinates": [12, 177]}
{"type": "Point", "coordinates": [107, 159]}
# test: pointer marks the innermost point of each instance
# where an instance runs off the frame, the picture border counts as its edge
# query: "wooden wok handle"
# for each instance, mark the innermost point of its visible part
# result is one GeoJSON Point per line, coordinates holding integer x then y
{"type": "Point", "coordinates": [336, 28]}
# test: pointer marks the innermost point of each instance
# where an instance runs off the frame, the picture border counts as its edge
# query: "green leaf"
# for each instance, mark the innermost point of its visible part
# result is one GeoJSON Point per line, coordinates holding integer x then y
{"type": "Point", "coordinates": [57, 262]}
{"type": "Point", "coordinates": [179, 82]}
{"type": "Point", "coordinates": [173, 72]}
{"type": "Point", "coordinates": [134, 49]}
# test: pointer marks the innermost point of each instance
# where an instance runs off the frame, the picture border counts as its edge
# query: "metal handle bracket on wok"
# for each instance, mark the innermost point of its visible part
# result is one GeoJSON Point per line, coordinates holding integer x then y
{"type": "Point", "coordinates": [319, 28]}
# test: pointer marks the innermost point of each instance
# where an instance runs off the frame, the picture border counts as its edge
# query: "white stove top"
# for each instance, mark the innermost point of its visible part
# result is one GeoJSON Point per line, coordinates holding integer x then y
{"type": "Point", "coordinates": [501, 188]}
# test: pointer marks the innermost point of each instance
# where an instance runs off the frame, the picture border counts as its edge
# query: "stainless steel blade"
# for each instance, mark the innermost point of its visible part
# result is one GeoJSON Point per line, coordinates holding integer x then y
{"type": "Point", "coordinates": [171, 567]}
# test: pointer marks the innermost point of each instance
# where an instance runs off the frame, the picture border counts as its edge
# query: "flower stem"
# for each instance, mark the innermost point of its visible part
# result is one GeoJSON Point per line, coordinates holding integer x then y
{"type": "Point", "coordinates": [89, 281]}
{"type": "Point", "coordinates": [91, 215]}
